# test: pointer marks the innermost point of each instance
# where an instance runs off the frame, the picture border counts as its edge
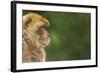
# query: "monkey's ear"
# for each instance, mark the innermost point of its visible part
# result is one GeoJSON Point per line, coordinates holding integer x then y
{"type": "Point", "coordinates": [26, 20]}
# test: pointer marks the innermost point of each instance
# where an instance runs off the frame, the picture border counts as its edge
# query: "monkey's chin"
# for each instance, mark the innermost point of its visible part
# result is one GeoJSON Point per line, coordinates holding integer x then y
{"type": "Point", "coordinates": [45, 43]}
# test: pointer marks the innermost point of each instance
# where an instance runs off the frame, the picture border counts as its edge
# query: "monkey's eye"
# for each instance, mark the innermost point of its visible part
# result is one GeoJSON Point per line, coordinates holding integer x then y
{"type": "Point", "coordinates": [41, 29]}
{"type": "Point", "coordinates": [39, 32]}
{"type": "Point", "coordinates": [44, 26]}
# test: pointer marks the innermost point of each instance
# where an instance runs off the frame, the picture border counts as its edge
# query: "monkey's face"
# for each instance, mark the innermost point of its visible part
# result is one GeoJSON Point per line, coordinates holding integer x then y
{"type": "Point", "coordinates": [37, 25]}
{"type": "Point", "coordinates": [44, 36]}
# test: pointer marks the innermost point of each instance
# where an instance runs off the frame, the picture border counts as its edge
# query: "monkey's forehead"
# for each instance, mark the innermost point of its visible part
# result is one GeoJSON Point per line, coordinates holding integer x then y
{"type": "Point", "coordinates": [37, 17]}
{"type": "Point", "coordinates": [37, 20]}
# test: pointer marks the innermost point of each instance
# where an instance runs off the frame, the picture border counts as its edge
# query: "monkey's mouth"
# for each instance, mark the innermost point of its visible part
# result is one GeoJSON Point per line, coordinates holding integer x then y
{"type": "Point", "coordinates": [45, 39]}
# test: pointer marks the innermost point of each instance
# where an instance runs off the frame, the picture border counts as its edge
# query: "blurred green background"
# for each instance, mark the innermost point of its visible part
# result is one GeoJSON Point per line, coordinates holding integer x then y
{"type": "Point", "coordinates": [70, 35]}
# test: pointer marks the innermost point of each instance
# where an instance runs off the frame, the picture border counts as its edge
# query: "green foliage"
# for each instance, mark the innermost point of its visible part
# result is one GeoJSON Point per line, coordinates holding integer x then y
{"type": "Point", "coordinates": [70, 35]}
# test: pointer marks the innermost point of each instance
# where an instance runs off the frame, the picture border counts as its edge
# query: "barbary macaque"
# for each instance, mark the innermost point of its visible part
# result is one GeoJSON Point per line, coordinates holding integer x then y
{"type": "Point", "coordinates": [34, 38]}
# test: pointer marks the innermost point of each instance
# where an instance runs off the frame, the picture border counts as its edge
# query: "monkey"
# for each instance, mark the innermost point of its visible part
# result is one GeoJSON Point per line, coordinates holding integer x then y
{"type": "Point", "coordinates": [35, 37]}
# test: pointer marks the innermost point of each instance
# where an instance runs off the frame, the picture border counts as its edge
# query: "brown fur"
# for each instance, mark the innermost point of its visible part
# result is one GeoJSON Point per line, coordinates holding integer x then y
{"type": "Point", "coordinates": [35, 38]}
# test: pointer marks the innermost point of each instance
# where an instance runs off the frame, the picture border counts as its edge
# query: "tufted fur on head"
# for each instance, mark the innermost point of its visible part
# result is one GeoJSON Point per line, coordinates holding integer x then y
{"type": "Point", "coordinates": [34, 38]}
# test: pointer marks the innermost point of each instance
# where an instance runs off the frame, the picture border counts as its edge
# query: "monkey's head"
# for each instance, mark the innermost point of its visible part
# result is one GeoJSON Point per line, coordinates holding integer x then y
{"type": "Point", "coordinates": [35, 26]}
